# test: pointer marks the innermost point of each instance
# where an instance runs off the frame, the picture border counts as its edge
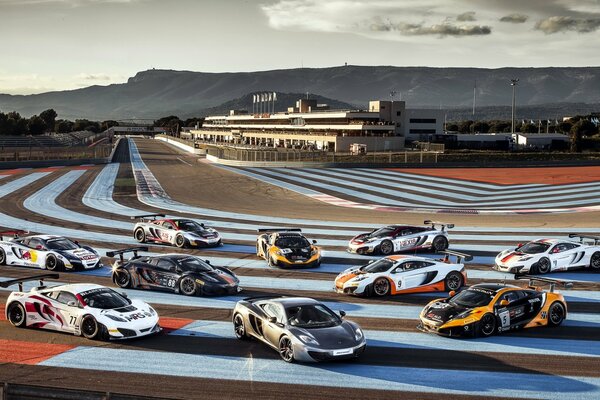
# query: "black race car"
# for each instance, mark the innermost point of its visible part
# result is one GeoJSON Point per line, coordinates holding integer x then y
{"type": "Point", "coordinates": [179, 273]}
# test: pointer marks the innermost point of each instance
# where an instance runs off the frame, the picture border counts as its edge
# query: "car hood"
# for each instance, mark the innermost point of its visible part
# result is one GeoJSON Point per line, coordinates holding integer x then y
{"type": "Point", "coordinates": [335, 337]}
{"type": "Point", "coordinates": [80, 253]}
{"type": "Point", "coordinates": [512, 257]}
{"type": "Point", "coordinates": [206, 232]}
{"type": "Point", "coordinates": [366, 237]}
{"type": "Point", "coordinates": [221, 276]}
{"type": "Point", "coordinates": [442, 311]}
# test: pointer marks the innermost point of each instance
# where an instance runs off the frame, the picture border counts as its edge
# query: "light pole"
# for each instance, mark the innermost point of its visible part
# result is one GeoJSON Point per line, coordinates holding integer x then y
{"type": "Point", "coordinates": [513, 83]}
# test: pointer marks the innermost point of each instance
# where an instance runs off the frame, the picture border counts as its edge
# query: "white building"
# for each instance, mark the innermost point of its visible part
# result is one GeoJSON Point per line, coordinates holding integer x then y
{"type": "Point", "coordinates": [541, 140]}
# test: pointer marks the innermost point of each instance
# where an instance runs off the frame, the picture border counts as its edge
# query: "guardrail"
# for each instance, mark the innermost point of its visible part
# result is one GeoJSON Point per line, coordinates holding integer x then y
{"type": "Point", "coordinates": [54, 153]}
{"type": "Point", "coordinates": [14, 391]}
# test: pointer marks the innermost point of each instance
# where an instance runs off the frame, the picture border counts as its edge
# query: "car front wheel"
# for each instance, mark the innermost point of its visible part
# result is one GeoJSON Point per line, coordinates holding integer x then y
{"type": "Point", "coordinates": [53, 263]}
{"type": "Point", "coordinates": [386, 247]}
{"type": "Point", "coordinates": [187, 286]}
{"type": "Point", "coordinates": [91, 329]}
{"type": "Point", "coordinates": [487, 325]}
{"type": "Point", "coordinates": [286, 349]}
{"type": "Point", "coordinates": [239, 328]}
{"type": "Point", "coordinates": [381, 287]}
{"type": "Point", "coordinates": [543, 266]}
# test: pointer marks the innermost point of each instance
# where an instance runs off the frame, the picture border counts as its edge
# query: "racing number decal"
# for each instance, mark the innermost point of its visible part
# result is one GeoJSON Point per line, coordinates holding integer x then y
{"type": "Point", "coordinates": [504, 318]}
{"type": "Point", "coordinates": [407, 242]}
{"type": "Point", "coordinates": [164, 235]}
{"type": "Point", "coordinates": [171, 283]}
{"type": "Point", "coordinates": [72, 320]}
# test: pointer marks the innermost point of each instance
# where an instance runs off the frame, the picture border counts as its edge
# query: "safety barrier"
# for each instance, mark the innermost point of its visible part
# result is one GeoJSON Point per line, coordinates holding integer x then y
{"type": "Point", "coordinates": [14, 391]}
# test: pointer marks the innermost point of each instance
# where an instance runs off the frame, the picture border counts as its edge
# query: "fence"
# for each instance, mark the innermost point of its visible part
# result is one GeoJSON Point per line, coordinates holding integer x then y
{"type": "Point", "coordinates": [13, 391]}
{"type": "Point", "coordinates": [54, 153]}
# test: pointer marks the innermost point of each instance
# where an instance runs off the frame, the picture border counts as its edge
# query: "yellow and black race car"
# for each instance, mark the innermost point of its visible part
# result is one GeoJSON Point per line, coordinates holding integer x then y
{"type": "Point", "coordinates": [287, 248]}
{"type": "Point", "coordinates": [484, 309]}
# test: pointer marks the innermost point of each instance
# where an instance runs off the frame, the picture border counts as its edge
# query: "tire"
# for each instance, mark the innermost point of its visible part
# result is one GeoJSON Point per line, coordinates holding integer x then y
{"type": "Point", "coordinates": [91, 329]}
{"type": "Point", "coordinates": [440, 243]}
{"type": "Point", "coordinates": [2, 257]}
{"type": "Point", "coordinates": [239, 329]}
{"type": "Point", "coordinates": [53, 263]}
{"type": "Point", "coordinates": [556, 314]}
{"type": "Point", "coordinates": [180, 241]}
{"type": "Point", "coordinates": [543, 266]}
{"type": "Point", "coordinates": [16, 315]}
{"type": "Point", "coordinates": [271, 263]}
{"type": "Point", "coordinates": [381, 287]}
{"type": "Point", "coordinates": [140, 235]}
{"type": "Point", "coordinates": [122, 278]}
{"type": "Point", "coordinates": [188, 286]}
{"type": "Point", "coordinates": [487, 325]}
{"type": "Point", "coordinates": [257, 250]}
{"type": "Point", "coordinates": [594, 261]}
{"type": "Point", "coordinates": [286, 349]}
{"type": "Point", "coordinates": [386, 247]}
{"type": "Point", "coordinates": [454, 281]}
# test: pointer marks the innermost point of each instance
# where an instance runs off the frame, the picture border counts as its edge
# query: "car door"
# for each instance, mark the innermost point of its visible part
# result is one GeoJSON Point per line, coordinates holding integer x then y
{"type": "Point", "coordinates": [563, 255]}
{"type": "Point", "coordinates": [69, 308]}
{"type": "Point", "coordinates": [272, 330]}
{"type": "Point", "coordinates": [515, 312]}
{"type": "Point", "coordinates": [166, 274]}
{"type": "Point", "coordinates": [146, 272]}
{"type": "Point", "coordinates": [411, 274]}
{"type": "Point", "coordinates": [27, 255]}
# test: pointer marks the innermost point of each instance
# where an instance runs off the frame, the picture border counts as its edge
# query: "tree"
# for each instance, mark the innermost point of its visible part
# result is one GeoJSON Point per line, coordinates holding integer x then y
{"type": "Point", "coordinates": [86, 125]}
{"type": "Point", "coordinates": [481, 127]}
{"type": "Point", "coordinates": [63, 126]}
{"type": "Point", "coordinates": [36, 125]}
{"type": "Point", "coordinates": [581, 128]}
{"type": "Point", "coordinates": [528, 128]}
{"type": "Point", "coordinates": [465, 126]}
{"type": "Point", "coordinates": [172, 123]}
{"type": "Point", "coordinates": [564, 127]}
{"type": "Point", "coordinates": [452, 127]}
{"type": "Point", "coordinates": [49, 117]}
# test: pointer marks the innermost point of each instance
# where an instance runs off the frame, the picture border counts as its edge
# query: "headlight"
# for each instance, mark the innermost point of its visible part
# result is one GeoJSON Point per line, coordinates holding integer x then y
{"type": "Point", "coordinates": [313, 252]}
{"type": "Point", "coordinates": [151, 310]}
{"type": "Point", "coordinates": [210, 278]}
{"type": "Point", "coordinates": [308, 340]}
{"type": "Point", "coordinates": [358, 334]}
{"type": "Point", "coordinates": [526, 258]}
{"type": "Point", "coordinates": [360, 278]}
{"type": "Point", "coordinates": [463, 314]}
{"type": "Point", "coordinates": [115, 318]}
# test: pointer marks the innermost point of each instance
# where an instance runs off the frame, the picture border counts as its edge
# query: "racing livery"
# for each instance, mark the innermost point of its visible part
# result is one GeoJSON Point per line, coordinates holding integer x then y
{"type": "Point", "coordinates": [287, 247]}
{"type": "Point", "coordinates": [54, 253]}
{"type": "Point", "coordinates": [92, 311]}
{"type": "Point", "coordinates": [485, 309]}
{"type": "Point", "coordinates": [402, 274]}
{"type": "Point", "coordinates": [547, 255]}
{"type": "Point", "coordinates": [180, 232]}
{"type": "Point", "coordinates": [395, 238]}
{"type": "Point", "coordinates": [178, 273]}
{"type": "Point", "coordinates": [300, 329]}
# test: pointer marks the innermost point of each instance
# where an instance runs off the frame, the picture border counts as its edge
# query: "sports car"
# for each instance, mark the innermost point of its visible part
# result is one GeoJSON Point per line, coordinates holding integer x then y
{"type": "Point", "coordinates": [485, 309]}
{"type": "Point", "coordinates": [179, 232]}
{"type": "Point", "coordinates": [54, 253]}
{"type": "Point", "coordinates": [179, 273]}
{"type": "Point", "coordinates": [92, 311]}
{"type": "Point", "coordinates": [287, 247]}
{"type": "Point", "coordinates": [300, 329]}
{"type": "Point", "coordinates": [395, 238]}
{"type": "Point", "coordinates": [401, 274]}
{"type": "Point", "coordinates": [547, 255]}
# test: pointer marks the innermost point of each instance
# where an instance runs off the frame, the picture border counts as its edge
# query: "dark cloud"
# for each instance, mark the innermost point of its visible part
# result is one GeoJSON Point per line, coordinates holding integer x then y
{"type": "Point", "coordinates": [442, 30]}
{"type": "Point", "coordinates": [514, 18]}
{"type": "Point", "coordinates": [466, 16]}
{"type": "Point", "coordinates": [564, 24]}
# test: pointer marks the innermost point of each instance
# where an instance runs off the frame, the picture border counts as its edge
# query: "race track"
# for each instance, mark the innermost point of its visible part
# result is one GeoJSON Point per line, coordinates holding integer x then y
{"type": "Point", "coordinates": [197, 355]}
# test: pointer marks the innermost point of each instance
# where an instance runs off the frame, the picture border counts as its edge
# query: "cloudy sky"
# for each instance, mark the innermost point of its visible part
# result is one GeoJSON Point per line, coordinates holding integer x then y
{"type": "Point", "coordinates": [66, 44]}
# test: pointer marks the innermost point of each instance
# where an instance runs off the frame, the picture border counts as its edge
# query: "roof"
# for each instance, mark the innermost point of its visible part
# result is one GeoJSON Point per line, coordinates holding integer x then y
{"type": "Point", "coordinates": [293, 301]}
{"type": "Point", "coordinates": [76, 287]}
{"type": "Point", "coordinates": [43, 237]}
{"type": "Point", "coordinates": [495, 287]}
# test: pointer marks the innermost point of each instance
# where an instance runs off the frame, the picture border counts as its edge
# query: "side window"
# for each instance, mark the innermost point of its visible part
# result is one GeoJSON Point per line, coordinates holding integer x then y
{"type": "Point", "coordinates": [52, 295]}
{"type": "Point", "coordinates": [510, 297]}
{"type": "Point", "coordinates": [273, 310]}
{"type": "Point", "coordinates": [570, 246]}
{"type": "Point", "coordinates": [35, 244]}
{"type": "Point", "coordinates": [66, 297]}
{"type": "Point", "coordinates": [405, 232]}
{"type": "Point", "coordinates": [410, 265]}
{"type": "Point", "coordinates": [164, 264]}
{"type": "Point", "coordinates": [168, 225]}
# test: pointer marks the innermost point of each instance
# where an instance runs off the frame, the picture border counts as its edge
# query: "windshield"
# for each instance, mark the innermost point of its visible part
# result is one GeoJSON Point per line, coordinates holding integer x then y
{"type": "Point", "coordinates": [312, 316]}
{"type": "Point", "coordinates": [193, 264]}
{"type": "Point", "coordinates": [188, 225]}
{"type": "Point", "coordinates": [104, 298]}
{"type": "Point", "coordinates": [381, 265]}
{"type": "Point", "coordinates": [291, 242]}
{"type": "Point", "coordinates": [534, 248]}
{"type": "Point", "coordinates": [61, 244]}
{"type": "Point", "coordinates": [383, 232]}
{"type": "Point", "coordinates": [473, 297]}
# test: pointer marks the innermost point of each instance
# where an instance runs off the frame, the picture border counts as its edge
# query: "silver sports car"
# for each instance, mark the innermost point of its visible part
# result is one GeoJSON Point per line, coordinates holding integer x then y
{"type": "Point", "coordinates": [299, 328]}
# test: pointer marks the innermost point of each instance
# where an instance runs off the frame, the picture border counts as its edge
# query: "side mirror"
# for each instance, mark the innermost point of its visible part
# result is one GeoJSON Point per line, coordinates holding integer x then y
{"type": "Point", "coordinates": [272, 320]}
{"type": "Point", "coordinates": [202, 224]}
{"type": "Point", "coordinates": [503, 303]}
{"type": "Point", "coordinates": [452, 293]}
{"type": "Point", "coordinates": [314, 242]}
{"type": "Point", "coordinates": [124, 294]}
{"type": "Point", "coordinates": [76, 242]}
{"type": "Point", "coordinates": [342, 313]}
{"type": "Point", "coordinates": [173, 269]}
{"type": "Point", "coordinates": [72, 303]}
{"type": "Point", "coordinates": [207, 261]}
{"type": "Point", "coordinates": [39, 247]}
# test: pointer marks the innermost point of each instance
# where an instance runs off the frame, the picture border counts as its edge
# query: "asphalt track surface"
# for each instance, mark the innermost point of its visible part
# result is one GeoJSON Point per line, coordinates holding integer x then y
{"type": "Point", "coordinates": [197, 356]}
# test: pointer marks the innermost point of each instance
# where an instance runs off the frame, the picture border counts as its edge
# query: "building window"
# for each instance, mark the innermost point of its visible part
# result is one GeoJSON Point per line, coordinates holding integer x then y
{"type": "Point", "coordinates": [398, 113]}
{"type": "Point", "coordinates": [422, 131]}
{"type": "Point", "coordinates": [423, 120]}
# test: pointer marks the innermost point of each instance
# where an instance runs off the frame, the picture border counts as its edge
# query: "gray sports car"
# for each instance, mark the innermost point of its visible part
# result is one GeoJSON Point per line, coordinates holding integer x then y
{"type": "Point", "coordinates": [299, 328]}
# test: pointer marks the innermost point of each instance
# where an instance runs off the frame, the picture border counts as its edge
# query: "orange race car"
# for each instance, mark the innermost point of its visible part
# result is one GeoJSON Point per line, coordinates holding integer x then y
{"type": "Point", "coordinates": [486, 309]}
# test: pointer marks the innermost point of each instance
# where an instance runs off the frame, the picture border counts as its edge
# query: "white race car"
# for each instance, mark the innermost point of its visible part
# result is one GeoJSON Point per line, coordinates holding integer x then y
{"type": "Point", "coordinates": [402, 274]}
{"type": "Point", "coordinates": [54, 253]}
{"type": "Point", "coordinates": [92, 311]}
{"type": "Point", "coordinates": [394, 238]}
{"type": "Point", "coordinates": [546, 255]}
{"type": "Point", "coordinates": [180, 232]}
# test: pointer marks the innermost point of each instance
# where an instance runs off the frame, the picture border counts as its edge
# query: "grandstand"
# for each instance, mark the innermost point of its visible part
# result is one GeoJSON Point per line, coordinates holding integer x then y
{"type": "Point", "coordinates": [80, 138]}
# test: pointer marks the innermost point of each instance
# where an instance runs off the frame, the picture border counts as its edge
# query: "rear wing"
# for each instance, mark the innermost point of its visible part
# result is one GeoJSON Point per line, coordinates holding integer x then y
{"type": "Point", "coordinates": [20, 281]}
{"type": "Point", "coordinates": [596, 239]}
{"type": "Point", "coordinates": [14, 234]}
{"type": "Point", "coordinates": [120, 253]}
{"type": "Point", "coordinates": [443, 225]}
{"type": "Point", "coordinates": [265, 230]}
{"type": "Point", "coordinates": [553, 282]}
{"type": "Point", "coordinates": [148, 217]}
{"type": "Point", "coordinates": [460, 257]}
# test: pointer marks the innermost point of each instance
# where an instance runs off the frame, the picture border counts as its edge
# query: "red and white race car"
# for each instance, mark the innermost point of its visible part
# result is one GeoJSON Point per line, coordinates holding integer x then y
{"type": "Point", "coordinates": [180, 232]}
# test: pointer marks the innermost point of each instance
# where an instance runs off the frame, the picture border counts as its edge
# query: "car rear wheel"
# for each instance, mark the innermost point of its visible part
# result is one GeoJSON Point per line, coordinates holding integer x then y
{"type": "Point", "coordinates": [543, 266]}
{"type": "Point", "coordinates": [454, 281]}
{"type": "Point", "coordinates": [594, 261]}
{"type": "Point", "coordinates": [487, 325]}
{"type": "Point", "coordinates": [556, 314]}
{"type": "Point", "coordinates": [122, 278]}
{"type": "Point", "coordinates": [187, 286]}
{"type": "Point", "coordinates": [386, 247]}
{"type": "Point", "coordinates": [286, 349]}
{"type": "Point", "coordinates": [2, 257]}
{"type": "Point", "coordinates": [239, 328]}
{"type": "Point", "coordinates": [439, 243]}
{"type": "Point", "coordinates": [381, 287]}
{"type": "Point", "coordinates": [53, 263]}
{"type": "Point", "coordinates": [91, 329]}
{"type": "Point", "coordinates": [16, 315]}
{"type": "Point", "coordinates": [179, 241]}
{"type": "Point", "coordinates": [140, 235]}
